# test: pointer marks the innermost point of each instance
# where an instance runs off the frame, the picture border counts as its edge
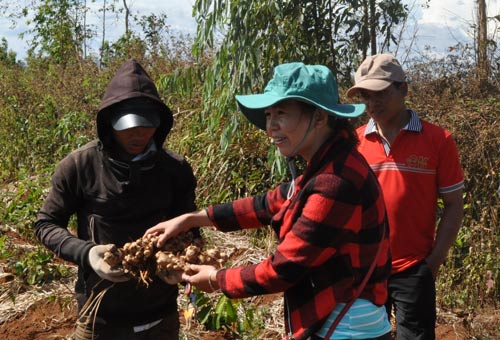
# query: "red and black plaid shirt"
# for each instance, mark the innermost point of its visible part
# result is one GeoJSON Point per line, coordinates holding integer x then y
{"type": "Point", "coordinates": [329, 233]}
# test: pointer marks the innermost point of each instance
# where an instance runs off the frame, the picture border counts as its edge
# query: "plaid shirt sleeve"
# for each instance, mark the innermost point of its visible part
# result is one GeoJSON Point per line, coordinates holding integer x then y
{"type": "Point", "coordinates": [330, 212]}
{"type": "Point", "coordinates": [329, 234]}
{"type": "Point", "coordinates": [249, 212]}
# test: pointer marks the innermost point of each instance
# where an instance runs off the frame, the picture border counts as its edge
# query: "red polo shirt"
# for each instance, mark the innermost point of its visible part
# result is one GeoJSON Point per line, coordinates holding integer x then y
{"type": "Point", "coordinates": [421, 163]}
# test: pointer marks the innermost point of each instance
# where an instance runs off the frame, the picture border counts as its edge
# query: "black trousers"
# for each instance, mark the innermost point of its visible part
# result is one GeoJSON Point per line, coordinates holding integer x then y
{"type": "Point", "coordinates": [167, 329]}
{"type": "Point", "coordinates": [412, 295]}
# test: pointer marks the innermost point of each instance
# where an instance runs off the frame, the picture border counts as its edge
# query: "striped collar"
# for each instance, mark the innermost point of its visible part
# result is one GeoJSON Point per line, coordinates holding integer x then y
{"type": "Point", "coordinates": [413, 125]}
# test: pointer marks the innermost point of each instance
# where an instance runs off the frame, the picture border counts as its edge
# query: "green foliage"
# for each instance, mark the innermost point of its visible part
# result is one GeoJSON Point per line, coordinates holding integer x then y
{"type": "Point", "coordinates": [246, 166]}
{"type": "Point", "coordinates": [5, 252]}
{"type": "Point", "coordinates": [127, 46]}
{"type": "Point", "coordinates": [33, 141]}
{"type": "Point", "coordinates": [233, 316]}
{"type": "Point", "coordinates": [390, 14]}
{"type": "Point", "coordinates": [47, 109]}
{"type": "Point", "coordinates": [447, 91]}
{"type": "Point", "coordinates": [257, 35]}
{"type": "Point", "coordinates": [43, 115]}
{"type": "Point", "coordinates": [155, 28]}
{"type": "Point", "coordinates": [38, 267]}
{"type": "Point", "coordinates": [222, 316]}
{"type": "Point", "coordinates": [7, 56]}
{"type": "Point", "coordinates": [69, 130]}
{"type": "Point", "coordinates": [58, 30]}
{"type": "Point", "coordinates": [30, 266]}
{"type": "Point", "coordinates": [21, 203]}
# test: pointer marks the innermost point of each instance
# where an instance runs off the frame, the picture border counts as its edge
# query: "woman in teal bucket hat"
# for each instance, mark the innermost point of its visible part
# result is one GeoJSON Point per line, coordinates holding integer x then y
{"type": "Point", "coordinates": [333, 254]}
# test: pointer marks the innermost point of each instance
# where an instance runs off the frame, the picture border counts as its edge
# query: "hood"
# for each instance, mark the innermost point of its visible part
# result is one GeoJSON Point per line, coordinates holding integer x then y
{"type": "Point", "coordinates": [131, 81]}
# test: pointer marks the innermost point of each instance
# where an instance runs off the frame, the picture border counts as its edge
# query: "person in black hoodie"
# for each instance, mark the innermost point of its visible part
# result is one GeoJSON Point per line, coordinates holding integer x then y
{"type": "Point", "coordinates": [118, 186]}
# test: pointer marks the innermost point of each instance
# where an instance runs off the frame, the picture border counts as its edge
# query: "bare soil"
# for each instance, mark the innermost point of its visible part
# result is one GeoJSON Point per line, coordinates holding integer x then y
{"type": "Point", "coordinates": [48, 319]}
{"type": "Point", "coordinates": [50, 313]}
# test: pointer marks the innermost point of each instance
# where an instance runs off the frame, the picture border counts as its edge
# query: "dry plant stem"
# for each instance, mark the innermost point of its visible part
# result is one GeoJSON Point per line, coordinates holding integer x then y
{"type": "Point", "coordinates": [89, 310]}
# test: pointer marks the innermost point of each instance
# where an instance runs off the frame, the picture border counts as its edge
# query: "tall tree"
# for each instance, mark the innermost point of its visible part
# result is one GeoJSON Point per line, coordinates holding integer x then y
{"type": "Point", "coordinates": [249, 37]}
{"type": "Point", "coordinates": [57, 29]}
{"type": "Point", "coordinates": [127, 16]}
{"type": "Point", "coordinates": [7, 56]}
{"type": "Point", "coordinates": [155, 29]}
{"type": "Point", "coordinates": [482, 42]}
{"type": "Point", "coordinates": [373, 26]}
{"type": "Point", "coordinates": [103, 41]}
{"type": "Point", "coordinates": [85, 27]}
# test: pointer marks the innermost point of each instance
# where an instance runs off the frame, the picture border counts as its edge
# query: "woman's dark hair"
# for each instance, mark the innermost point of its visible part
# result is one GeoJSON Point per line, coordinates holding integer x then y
{"type": "Point", "coordinates": [335, 123]}
{"type": "Point", "coordinates": [339, 124]}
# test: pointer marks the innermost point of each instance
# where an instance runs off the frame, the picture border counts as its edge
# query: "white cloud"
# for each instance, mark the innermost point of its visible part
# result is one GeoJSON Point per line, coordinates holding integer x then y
{"type": "Point", "coordinates": [439, 25]}
{"type": "Point", "coordinates": [447, 13]}
{"type": "Point", "coordinates": [451, 14]}
{"type": "Point", "coordinates": [11, 34]}
{"type": "Point", "coordinates": [179, 12]}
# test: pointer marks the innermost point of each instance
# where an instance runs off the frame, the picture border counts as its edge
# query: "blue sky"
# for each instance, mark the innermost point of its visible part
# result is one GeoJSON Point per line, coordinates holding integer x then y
{"type": "Point", "coordinates": [440, 25]}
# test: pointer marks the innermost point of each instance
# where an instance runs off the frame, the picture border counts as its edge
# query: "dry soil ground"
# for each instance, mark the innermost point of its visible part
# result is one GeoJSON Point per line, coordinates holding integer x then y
{"type": "Point", "coordinates": [34, 313]}
{"type": "Point", "coordinates": [53, 318]}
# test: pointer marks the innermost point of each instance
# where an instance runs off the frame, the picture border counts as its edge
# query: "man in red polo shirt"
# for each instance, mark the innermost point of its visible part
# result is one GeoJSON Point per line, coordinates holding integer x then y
{"type": "Point", "coordinates": [415, 162]}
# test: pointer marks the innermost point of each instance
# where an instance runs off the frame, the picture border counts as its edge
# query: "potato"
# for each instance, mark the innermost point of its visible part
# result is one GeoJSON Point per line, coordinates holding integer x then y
{"type": "Point", "coordinates": [142, 259]}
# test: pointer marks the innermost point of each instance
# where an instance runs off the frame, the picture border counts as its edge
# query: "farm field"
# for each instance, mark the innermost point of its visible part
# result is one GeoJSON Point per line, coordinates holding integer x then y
{"type": "Point", "coordinates": [49, 312]}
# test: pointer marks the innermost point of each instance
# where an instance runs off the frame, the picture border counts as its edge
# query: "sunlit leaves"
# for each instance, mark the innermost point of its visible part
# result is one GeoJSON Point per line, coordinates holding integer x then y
{"type": "Point", "coordinates": [251, 37]}
{"type": "Point", "coordinates": [58, 30]}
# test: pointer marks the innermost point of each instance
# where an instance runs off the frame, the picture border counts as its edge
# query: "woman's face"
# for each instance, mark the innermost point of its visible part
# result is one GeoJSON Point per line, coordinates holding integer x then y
{"type": "Point", "coordinates": [134, 140]}
{"type": "Point", "coordinates": [287, 124]}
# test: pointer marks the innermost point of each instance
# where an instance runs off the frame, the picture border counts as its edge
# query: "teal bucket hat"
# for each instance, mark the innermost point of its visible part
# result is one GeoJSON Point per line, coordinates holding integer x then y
{"type": "Point", "coordinates": [314, 84]}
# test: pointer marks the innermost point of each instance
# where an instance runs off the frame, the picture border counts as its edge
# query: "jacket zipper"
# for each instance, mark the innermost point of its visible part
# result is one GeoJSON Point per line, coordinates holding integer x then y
{"type": "Point", "coordinates": [91, 227]}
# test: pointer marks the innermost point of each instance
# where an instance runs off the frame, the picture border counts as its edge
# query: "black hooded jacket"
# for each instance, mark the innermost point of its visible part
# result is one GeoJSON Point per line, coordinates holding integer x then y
{"type": "Point", "coordinates": [115, 200]}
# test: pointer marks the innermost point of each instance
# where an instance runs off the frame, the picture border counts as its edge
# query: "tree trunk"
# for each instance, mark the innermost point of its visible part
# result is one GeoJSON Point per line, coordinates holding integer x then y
{"type": "Point", "coordinates": [103, 32]}
{"type": "Point", "coordinates": [333, 61]}
{"type": "Point", "coordinates": [365, 30]}
{"type": "Point", "coordinates": [373, 28]}
{"type": "Point", "coordinates": [127, 14]}
{"type": "Point", "coordinates": [482, 43]}
{"type": "Point", "coordinates": [85, 29]}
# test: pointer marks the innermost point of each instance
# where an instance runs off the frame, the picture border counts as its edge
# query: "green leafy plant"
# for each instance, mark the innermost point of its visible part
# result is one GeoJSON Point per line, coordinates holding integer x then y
{"type": "Point", "coordinates": [222, 313]}
{"type": "Point", "coordinates": [37, 267]}
{"type": "Point", "coordinates": [221, 316]}
{"type": "Point", "coordinates": [22, 204]}
{"type": "Point", "coordinates": [5, 252]}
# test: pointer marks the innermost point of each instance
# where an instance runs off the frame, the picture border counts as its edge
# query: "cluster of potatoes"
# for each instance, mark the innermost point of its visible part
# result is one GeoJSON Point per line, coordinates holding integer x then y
{"type": "Point", "coordinates": [142, 259]}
